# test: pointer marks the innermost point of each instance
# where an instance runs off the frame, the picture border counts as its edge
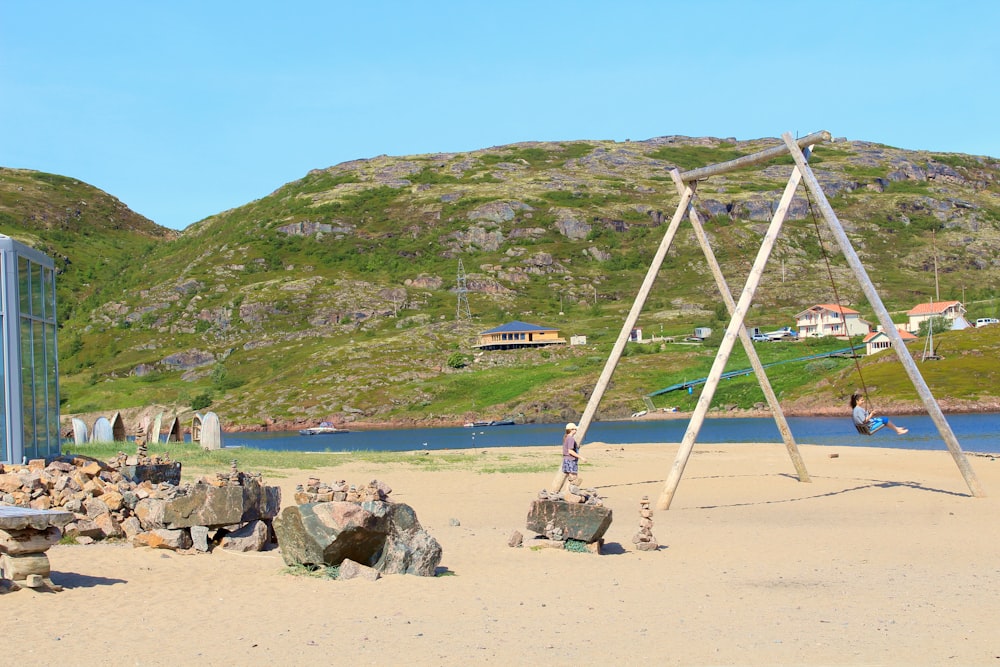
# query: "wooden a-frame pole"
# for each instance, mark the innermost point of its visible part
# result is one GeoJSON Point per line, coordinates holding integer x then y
{"type": "Point", "coordinates": [888, 327]}
{"type": "Point", "coordinates": [748, 347]}
{"type": "Point", "coordinates": [633, 315]}
{"type": "Point", "coordinates": [728, 341]}
{"type": "Point", "coordinates": [647, 284]}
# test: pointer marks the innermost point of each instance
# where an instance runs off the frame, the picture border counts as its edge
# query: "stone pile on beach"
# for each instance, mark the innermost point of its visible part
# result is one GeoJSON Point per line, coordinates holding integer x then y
{"type": "Point", "coordinates": [573, 494]}
{"type": "Point", "coordinates": [314, 491]}
{"type": "Point", "coordinates": [644, 540]}
{"type": "Point", "coordinates": [358, 529]}
{"type": "Point", "coordinates": [575, 514]}
{"type": "Point", "coordinates": [234, 509]}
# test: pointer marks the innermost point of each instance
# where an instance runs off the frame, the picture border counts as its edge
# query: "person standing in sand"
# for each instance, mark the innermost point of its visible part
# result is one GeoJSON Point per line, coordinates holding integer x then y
{"type": "Point", "coordinates": [571, 454]}
{"type": "Point", "coordinates": [866, 419]}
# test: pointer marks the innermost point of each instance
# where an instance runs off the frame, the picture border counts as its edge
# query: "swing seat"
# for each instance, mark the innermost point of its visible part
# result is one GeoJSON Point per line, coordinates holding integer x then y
{"type": "Point", "coordinates": [871, 426]}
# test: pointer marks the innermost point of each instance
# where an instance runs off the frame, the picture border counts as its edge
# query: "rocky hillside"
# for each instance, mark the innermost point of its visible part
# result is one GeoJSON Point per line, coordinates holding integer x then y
{"type": "Point", "coordinates": [335, 296]}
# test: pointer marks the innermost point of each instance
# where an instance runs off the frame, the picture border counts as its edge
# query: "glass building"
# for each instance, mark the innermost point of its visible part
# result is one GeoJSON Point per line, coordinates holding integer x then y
{"type": "Point", "coordinates": [29, 371]}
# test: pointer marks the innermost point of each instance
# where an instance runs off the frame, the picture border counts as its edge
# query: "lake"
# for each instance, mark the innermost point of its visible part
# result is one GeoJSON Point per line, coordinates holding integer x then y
{"type": "Point", "coordinates": [975, 433]}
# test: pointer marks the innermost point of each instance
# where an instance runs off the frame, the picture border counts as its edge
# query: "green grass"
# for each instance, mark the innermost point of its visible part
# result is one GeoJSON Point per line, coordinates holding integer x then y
{"type": "Point", "coordinates": [196, 461]}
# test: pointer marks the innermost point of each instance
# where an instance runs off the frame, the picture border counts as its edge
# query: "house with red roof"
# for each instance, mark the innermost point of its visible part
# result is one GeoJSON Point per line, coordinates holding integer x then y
{"type": "Point", "coordinates": [877, 341]}
{"type": "Point", "coordinates": [515, 335]}
{"type": "Point", "coordinates": [953, 311]}
{"type": "Point", "coordinates": [828, 319]}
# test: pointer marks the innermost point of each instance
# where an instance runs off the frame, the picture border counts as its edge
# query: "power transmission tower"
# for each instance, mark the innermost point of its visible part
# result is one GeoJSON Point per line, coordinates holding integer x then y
{"type": "Point", "coordinates": [463, 295]}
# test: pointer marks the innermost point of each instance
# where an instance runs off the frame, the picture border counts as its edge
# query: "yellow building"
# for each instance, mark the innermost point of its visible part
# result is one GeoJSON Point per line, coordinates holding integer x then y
{"type": "Point", "coordinates": [517, 335]}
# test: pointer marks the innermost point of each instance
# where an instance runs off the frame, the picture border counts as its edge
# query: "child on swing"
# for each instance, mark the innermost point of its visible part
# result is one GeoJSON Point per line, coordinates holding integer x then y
{"type": "Point", "coordinates": [866, 419]}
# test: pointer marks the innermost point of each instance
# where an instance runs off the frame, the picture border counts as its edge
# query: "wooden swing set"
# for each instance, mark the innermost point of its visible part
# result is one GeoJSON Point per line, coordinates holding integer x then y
{"type": "Point", "coordinates": [686, 184]}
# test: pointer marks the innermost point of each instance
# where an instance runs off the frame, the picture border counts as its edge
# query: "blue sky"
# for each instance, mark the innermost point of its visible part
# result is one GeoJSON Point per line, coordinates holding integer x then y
{"type": "Point", "coordinates": [185, 109]}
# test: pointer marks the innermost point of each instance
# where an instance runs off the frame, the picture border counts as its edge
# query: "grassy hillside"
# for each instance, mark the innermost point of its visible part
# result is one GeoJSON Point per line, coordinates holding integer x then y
{"type": "Point", "coordinates": [334, 297]}
{"type": "Point", "coordinates": [94, 239]}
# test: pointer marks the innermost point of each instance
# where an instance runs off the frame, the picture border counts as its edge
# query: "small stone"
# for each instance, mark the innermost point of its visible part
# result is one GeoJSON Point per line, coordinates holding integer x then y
{"type": "Point", "coordinates": [515, 540]}
{"type": "Point", "coordinates": [352, 570]}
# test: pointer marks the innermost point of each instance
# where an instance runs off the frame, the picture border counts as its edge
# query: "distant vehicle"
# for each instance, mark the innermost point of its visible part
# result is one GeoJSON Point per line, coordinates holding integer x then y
{"type": "Point", "coordinates": [760, 338]}
{"type": "Point", "coordinates": [782, 333]}
{"type": "Point", "coordinates": [702, 332]}
{"type": "Point", "coordinates": [983, 321]}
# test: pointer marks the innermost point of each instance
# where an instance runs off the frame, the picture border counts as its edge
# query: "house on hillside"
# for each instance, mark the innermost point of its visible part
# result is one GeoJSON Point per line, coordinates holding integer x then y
{"type": "Point", "coordinates": [515, 335]}
{"type": "Point", "coordinates": [826, 319]}
{"type": "Point", "coordinates": [952, 311]}
{"type": "Point", "coordinates": [877, 341]}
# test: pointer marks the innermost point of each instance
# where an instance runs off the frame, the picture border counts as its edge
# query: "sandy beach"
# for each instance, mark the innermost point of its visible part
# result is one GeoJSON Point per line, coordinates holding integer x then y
{"type": "Point", "coordinates": [884, 558]}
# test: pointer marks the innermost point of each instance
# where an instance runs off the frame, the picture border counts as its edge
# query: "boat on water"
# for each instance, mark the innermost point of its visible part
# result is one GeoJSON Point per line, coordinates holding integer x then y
{"type": "Point", "coordinates": [322, 429]}
{"type": "Point", "coordinates": [495, 422]}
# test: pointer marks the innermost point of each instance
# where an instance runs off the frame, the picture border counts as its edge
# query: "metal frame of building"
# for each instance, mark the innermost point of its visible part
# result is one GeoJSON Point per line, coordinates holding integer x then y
{"type": "Point", "coordinates": [29, 364]}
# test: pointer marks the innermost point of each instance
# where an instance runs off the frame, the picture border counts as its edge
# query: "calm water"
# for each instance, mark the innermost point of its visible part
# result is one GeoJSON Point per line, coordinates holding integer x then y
{"type": "Point", "coordinates": [975, 433]}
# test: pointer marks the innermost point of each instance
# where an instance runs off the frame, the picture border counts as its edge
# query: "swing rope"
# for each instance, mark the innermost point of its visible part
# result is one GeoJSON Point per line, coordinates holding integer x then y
{"type": "Point", "coordinates": [836, 296]}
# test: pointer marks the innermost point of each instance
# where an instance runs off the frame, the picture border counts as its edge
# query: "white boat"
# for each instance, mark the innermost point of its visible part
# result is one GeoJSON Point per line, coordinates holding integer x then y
{"type": "Point", "coordinates": [323, 428]}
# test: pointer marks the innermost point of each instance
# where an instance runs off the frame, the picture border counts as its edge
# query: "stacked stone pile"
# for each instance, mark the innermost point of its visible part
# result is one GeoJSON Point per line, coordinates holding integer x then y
{"type": "Point", "coordinates": [314, 491]}
{"type": "Point", "coordinates": [644, 540]}
{"type": "Point", "coordinates": [101, 499]}
{"type": "Point", "coordinates": [233, 509]}
{"type": "Point", "coordinates": [108, 502]}
{"type": "Point", "coordinates": [573, 494]}
{"type": "Point", "coordinates": [356, 528]}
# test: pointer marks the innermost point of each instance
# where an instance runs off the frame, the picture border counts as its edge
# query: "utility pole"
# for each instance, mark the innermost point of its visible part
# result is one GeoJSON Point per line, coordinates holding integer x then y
{"type": "Point", "coordinates": [462, 312]}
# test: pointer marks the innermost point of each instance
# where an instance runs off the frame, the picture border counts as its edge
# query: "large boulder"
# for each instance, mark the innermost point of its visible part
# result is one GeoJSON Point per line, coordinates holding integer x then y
{"type": "Point", "coordinates": [208, 505]}
{"type": "Point", "coordinates": [586, 523]}
{"type": "Point", "coordinates": [379, 534]}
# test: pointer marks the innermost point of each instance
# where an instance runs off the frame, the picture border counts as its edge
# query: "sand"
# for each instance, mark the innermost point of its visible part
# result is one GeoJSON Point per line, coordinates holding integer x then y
{"type": "Point", "coordinates": [884, 558]}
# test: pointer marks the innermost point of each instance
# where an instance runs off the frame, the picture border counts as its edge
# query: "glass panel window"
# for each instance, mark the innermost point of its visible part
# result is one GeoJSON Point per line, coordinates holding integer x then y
{"type": "Point", "coordinates": [37, 290]}
{"type": "Point", "coordinates": [27, 389]}
{"type": "Point", "coordinates": [50, 294]}
{"type": "Point", "coordinates": [41, 401]}
{"type": "Point", "coordinates": [52, 388]}
{"type": "Point", "coordinates": [24, 284]}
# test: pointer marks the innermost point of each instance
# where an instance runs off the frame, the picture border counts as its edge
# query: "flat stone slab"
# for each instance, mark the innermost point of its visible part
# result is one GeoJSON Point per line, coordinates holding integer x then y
{"type": "Point", "coordinates": [586, 523]}
{"type": "Point", "coordinates": [19, 518]}
{"type": "Point", "coordinates": [154, 472]}
{"type": "Point", "coordinates": [208, 505]}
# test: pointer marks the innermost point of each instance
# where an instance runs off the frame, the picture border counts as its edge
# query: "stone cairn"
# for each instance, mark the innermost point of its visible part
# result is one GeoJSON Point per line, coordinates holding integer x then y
{"type": "Point", "coordinates": [644, 540]}
{"type": "Point", "coordinates": [234, 477]}
{"type": "Point", "coordinates": [573, 494]}
{"type": "Point", "coordinates": [141, 457]}
{"type": "Point", "coordinates": [107, 503]}
{"type": "Point", "coordinates": [314, 491]}
{"type": "Point", "coordinates": [566, 518]}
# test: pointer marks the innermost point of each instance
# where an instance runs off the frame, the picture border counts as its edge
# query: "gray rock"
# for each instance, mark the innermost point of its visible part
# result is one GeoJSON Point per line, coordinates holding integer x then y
{"type": "Point", "coordinates": [351, 570]}
{"type": "Point", "coordinates": [252, 537]}
{"type": "Point", "coordinates": [208, 505]}
{"type": "Point", "coordinates": [199, 538]}
{"type": "Point", "coordinates": [586, 523]}
{"type": "Point", "coordinates": [155, 473]}
{"type": "Point", "coordinates": [380, 534]}
{"type": "Point", "coordinates": [149, 511]}
{"type": "Point", "coordinates": [163, 538]}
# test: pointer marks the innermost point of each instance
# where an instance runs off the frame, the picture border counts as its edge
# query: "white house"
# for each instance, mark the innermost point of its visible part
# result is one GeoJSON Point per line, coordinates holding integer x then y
{"type": "Point", "coordinates": [953, 311]}
{"type": "Point", "coordinates": [826, 319]}
{"type": "Point", "coordinates": [877, 341]}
